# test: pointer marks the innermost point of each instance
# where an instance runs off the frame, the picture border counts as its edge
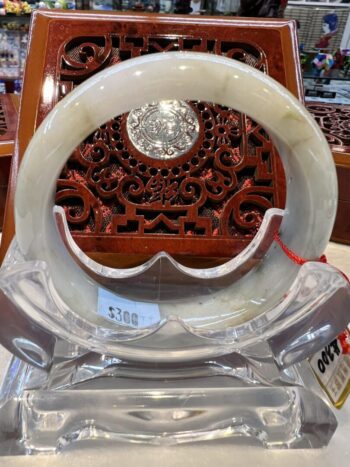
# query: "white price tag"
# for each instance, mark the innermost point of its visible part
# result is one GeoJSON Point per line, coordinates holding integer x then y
{"type": "Point", "coordinates": [127, 312]}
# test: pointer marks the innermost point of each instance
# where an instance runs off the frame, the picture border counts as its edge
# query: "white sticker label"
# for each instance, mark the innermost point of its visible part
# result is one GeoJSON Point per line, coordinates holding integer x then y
{"type": "Point", "coordinates": [127, 312]}
{"type": "Point", "coordinates": [332, 368]}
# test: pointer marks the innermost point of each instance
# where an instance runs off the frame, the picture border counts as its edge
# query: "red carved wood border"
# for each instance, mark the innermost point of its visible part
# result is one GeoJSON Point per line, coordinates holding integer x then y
{"type": "Point", "coordinates": [210, 201]}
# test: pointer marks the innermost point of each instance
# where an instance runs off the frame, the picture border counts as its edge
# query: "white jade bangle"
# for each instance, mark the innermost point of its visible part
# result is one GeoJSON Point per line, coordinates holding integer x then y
{"type": "Point", "coordinates": [308, 163]}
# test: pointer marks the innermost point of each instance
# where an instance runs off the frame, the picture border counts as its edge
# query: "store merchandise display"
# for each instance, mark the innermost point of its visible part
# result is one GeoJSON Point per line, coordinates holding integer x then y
{"type": "Point", "coordinates": [169, 352]}
{"type": "Point", "coordinates": [310, 20]}
{"type": "Point", "coordinates": [10, 53]}
{"type": "Point", "coordinates": [13, 51]}
{"type": "Point", "coordinates": [313, 26]}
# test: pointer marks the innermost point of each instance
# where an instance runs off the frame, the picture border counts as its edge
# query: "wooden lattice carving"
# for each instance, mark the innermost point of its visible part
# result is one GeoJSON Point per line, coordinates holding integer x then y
{"type": "Point", "coordinates": [219, 189]}
{"type": "Point", "coordinates": [8, 120]}
{"type": "Point", "coordinates": [334, 121]}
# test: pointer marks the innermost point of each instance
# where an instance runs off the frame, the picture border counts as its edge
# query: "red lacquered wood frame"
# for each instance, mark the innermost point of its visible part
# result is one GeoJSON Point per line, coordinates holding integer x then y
{"type": "Point", "coordinates": [66, 48]}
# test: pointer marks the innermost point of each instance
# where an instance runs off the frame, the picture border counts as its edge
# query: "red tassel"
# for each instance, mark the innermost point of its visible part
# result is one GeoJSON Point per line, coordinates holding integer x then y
{"type": "Point", "coordinates": [298, 259]}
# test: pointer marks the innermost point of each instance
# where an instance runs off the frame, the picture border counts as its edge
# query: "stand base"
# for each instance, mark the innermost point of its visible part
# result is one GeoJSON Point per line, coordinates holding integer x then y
{"type": "Point", "coordinates": [92, 398]}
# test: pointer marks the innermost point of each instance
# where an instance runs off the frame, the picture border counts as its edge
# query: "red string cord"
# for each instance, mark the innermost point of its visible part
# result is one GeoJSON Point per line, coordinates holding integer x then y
{"type": "Point", "coordinates": [298, 259]}
{"type": "Point", "coordinates": [344, 337]}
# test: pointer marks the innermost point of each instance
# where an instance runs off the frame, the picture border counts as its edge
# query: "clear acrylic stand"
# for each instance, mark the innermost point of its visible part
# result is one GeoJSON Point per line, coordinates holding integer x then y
{"type": "Point", "coordinates": [94, 398]}
{"type": "Point", "coordinates": [64, 393]}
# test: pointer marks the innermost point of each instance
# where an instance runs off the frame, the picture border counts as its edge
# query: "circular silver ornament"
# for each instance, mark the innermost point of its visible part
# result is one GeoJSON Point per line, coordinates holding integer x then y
{"type": "Point", "coordinates": [163, 130]}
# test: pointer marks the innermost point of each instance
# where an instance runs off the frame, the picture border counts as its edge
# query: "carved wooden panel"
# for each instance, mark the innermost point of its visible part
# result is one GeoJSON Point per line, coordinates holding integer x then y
{"type": "Point", "coordinates": [334, 121]}
{"type": "Point", "coordinates": [208, 201]}
{"type": "Point", "coordinates": [219, 188]}
{"type": "Point", "coordinates": [8, 118]}
{"type": "Point", "coordinates": [341, 230]}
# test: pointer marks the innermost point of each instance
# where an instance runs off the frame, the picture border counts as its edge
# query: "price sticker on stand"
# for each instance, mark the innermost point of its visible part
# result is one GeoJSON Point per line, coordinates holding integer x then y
{"type": "Point", "coordinates": [331, 366]}
{"type": "Point", "coordinates": [127, 312]}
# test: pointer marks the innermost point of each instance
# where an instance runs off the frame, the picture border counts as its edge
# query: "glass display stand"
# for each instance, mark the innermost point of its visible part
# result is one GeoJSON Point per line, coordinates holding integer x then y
{"type": "Point", "coordinates": [260, 391]}
{"type": "Point", "coordinates": [93, 397]}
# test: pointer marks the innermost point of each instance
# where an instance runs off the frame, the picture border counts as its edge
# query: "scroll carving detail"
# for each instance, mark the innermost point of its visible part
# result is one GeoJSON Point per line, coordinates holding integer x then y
{"type": "Point", "coordinates": [334, 121]}
{"type": "Point", "coordinates": [218, 189]}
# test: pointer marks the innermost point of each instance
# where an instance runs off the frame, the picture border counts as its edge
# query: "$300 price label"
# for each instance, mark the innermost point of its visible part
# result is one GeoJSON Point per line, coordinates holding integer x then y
{"type": "Point", "coordinates": [127, 312]}
{"type": "Point", "coordinates": [123, 316]}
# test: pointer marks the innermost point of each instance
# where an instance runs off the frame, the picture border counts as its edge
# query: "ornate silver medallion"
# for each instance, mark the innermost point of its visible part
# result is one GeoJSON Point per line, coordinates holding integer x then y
{"type": "Point", "coordinates": [163, 130]}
